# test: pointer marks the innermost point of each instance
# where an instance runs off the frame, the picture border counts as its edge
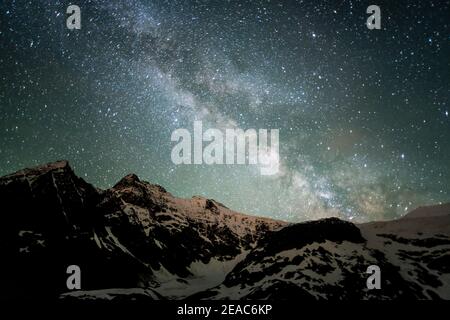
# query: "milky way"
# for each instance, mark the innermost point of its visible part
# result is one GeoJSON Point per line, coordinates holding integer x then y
{"type": "Point", "coordinates": [362, 114]}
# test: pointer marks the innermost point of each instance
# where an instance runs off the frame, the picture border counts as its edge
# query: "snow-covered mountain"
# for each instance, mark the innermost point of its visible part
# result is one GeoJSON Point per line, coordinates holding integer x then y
{"type": "Point", "coordinates": [137, 241]}
{"type": "Point", "coordinates": [328, 259]}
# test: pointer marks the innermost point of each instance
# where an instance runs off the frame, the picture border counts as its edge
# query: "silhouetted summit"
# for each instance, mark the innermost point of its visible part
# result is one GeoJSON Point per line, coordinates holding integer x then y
{"type": "Point", "coordinates": [137, 241]}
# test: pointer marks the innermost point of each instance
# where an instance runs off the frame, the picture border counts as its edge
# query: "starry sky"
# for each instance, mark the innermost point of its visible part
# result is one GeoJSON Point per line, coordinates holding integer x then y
{"type": "Point", "coordinates": [363, 114]}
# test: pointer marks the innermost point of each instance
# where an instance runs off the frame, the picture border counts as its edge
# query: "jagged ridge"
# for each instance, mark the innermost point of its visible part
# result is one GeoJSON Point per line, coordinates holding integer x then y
{"type": "Point", "coordinates": [137, 241]}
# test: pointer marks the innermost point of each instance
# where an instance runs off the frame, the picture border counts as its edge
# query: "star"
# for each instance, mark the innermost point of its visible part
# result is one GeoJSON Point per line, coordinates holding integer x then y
{"type": "Point", "coordinates": [356, 109]}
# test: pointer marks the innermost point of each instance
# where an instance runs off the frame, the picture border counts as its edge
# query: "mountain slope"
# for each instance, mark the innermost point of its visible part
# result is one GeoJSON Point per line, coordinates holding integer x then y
{"type": "Point", "coordinates": [133, 235]}
{"type": "Point", "coordinates": [328, 259]}
{"type": "Point", "coordinates": [137, 241]}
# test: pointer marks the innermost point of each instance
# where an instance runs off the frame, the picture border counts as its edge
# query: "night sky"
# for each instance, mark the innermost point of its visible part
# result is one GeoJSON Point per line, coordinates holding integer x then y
{"type": "Point", "coordinates": [363, 114]}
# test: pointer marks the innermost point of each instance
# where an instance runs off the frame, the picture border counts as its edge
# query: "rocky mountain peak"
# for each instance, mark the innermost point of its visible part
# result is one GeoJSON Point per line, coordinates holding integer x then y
{"type": "Point", "coordinates": [136, 239]}
{"type": "Point", "coordinates": [129, 180]}
{"type": "Point", "coordinates": [31, 173]}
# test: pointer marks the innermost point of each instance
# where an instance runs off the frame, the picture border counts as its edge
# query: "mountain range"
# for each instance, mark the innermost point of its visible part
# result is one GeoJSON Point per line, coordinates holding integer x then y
{"type": "Point", "coordinates": [136, 241]}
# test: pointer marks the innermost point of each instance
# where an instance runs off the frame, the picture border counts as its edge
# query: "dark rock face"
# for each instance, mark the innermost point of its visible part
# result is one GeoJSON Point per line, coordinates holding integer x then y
{"type": "Point", "coordinates": [62, 197]}
{"type": "Point", "coordinates": [120, 237]}
{"type": "Point", "coordinates": [331, 229]}
{"type": "Point", "coordinates": [44, 210]}
{"type": "Point", "coordinates": [137, 241]}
